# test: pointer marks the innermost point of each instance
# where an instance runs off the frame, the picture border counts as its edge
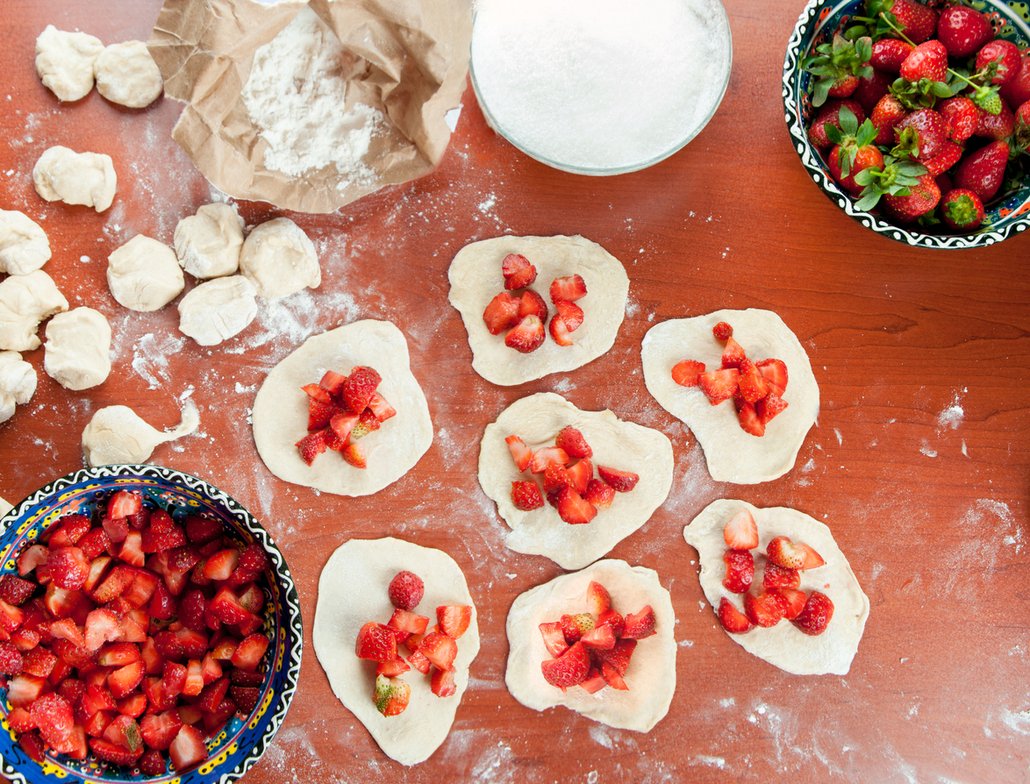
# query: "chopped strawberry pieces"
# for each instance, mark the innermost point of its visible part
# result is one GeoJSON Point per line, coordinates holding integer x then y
{"type": "Point", "coordinates": [520, 452]}
{"type": "Point", "coordinates": [442, 683]}
{"type": "Point", "coordinates": [573, 443]}
{"type": "Point", "coordinates": [687, 373]}
{"type": "Point", "coordinates": [719, 385]}
{"type": "Point", "coordinates": [599, 493]}
{"type": "Point", "coordinates": [749, 420]}
{"type": "Point", "coordinates": [780, 577]}
{"type": "Point", "coordinates": [381, 407]}
{"type": "Point", "coordinates": [311, 446]}
{"type": "Point", "coordinates": [740, 570]}
{"type": "Point", "coordinates": [741, 531]}
{"type": "Point", "coordinates": [359, 387]}
{"type": "Point", "coordinates": [573, 508]}
{"type": "Point", "coordinates": [816, 614]}
{"type": "Point", "coordinates": [518, 271]}
{"type": "Point", "coordinates": [569, 669]}
{"type": "Point", "coordinates": [454, 619]}
{"type": "Point", "coordinates": [526, 495]}
{"type": "Point", "coordinates": [570, 313]}
{"type": "Point", "coordinates": [188, 749]}
{"type": "Point", "coordinates": [769, 407]}
{"type": "Point", "coordinates": [640, 624]}
{"type": "Point", "coordinates": [560, 332]}
{"type": "Point", "coordinates": [531, 303]}
{"type": "Point", "coordinates": [774, 371]}
{"type": "Point", "coordinates": [542, 458]}
{"type": "Point", "coordinates": [732, 619]}
{"type": "Point", "coordinates": [527, 336]}
{"type": "Point", "coordinates": [554, 638]}
{"type": "Point", "coordinates": [598, 599]}
{"type": "Point", "coordinates": [722, 331]}
{"type": "Point", "coordinates": [619, 481]}
{"type": "Point", "coordinates": [751, 384]}
{"type": "Point", "coordinates": [599, 638]}
{"type": "Point", "coordinates": [501, 313]}
{"type": "Point", "coordinates": [376, 642]}
{"type": "Point", "coordinates": [732, 354]}
{"type": "Point", "coordinates": [765, 609]}
{"type": "Point", "coordinates": [795, 601]}
{"type": "Point", "coordinates": [568, 289]}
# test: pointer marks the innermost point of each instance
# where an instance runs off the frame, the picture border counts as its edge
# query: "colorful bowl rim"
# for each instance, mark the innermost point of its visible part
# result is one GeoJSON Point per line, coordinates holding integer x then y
{"type": "Point", "coordinates": [291, 603]}
{"type": "Point", "coordinates": [1012, 224]}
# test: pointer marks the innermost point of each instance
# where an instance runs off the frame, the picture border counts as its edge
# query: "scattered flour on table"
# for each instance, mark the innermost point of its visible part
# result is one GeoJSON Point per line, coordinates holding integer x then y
{"type": "Point", "coordinates": [294, 94]}
{"type": "Point", "coordinates": [709, 761]}
{"type": "Point", "coordinates": [294, 319]}
{"type": "Point", "coordinates": [982, 527]}
{"type": "Point", "coordinates": [150, 355]}
{"type": "Point", "coordinates": [926, 450]}
{"type": "Point", "coordinates": [952, 415]}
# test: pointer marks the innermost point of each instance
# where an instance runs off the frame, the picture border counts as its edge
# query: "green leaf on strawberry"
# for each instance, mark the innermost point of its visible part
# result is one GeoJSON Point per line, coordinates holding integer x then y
{"type": "Point", "coordinates": [895, 178]}
{"type": "Point", "coordinates": [835, 64]}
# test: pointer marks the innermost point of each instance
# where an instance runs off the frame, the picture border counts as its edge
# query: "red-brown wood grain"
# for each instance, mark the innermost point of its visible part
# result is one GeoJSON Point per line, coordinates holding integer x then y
{"type": "Point", "coordinates": [930, 511]}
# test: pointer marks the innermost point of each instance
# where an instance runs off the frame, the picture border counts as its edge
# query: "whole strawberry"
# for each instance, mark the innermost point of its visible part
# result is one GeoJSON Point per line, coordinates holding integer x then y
{"type": "Point", "coordinates": [963, 30]}
{"type": "Point", "coordinates": [962, 210]}
{"type": "Point", "coordinates": [995, 126]}
{"type": "Point", "coordinates": [871, 89]}
{"type": "Point", "coordinates": [915, 20]}
{"type": "Point", "coordinates": [961, 114]}
{"type": "Point", "coordinates": [894, 178]}
{"type": "Point", "coordinates": [853, 150]}
{"type": "Point", "coordinates": [1017, 89]}
{"type": "Point", "coordinates": [1022, 135]}
{"type": "Point", "coordinates": [920, 199]}
{"type": "Point", "coordinates": [889, 53]}
{"type": "Point", "coordinates": [406, 590]}
{"type": "Point", "coordinates": [1003, 58]}
{"type": "Point", "coordinates": [983, 171]}
{"type": "Point", "coordinates": [921, 134]}
{"type": "Point", "coordinates": [887, 113]}
{"type": "Point", "coordinates": [829, 115]}
{"type": "Point", "coordinates": [837, 67]}
{"type": "Point", "coordinates": [929, 60]}
{"type": "Point", "coordinates": [950, 154]}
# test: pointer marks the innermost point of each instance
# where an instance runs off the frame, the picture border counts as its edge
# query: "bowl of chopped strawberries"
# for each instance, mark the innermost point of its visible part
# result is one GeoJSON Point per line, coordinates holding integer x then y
{"type": "Point", "coordinates": [149, 631]}
{"type": "Point", "coordinates": [913, 116]}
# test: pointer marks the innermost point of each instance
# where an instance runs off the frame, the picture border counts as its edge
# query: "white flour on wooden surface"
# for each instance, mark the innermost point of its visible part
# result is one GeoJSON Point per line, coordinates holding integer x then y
{"type": "Point", "coordinates": [296, 94]}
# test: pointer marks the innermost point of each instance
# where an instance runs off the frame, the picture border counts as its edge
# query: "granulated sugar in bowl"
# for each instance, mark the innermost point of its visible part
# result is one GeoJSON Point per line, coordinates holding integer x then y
{"type": "Point", "coordinates": [600, 86]}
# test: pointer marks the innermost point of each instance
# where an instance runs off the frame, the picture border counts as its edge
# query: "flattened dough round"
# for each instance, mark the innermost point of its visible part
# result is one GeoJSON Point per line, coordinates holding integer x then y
{"type": "Point", "coordinates": [475, 277]}
{"type": "Point", "coordinates": [651, 675]}
{"type": "Point", "coordinates": [783, 645]}
{"type": "Point", "coordinates": [24, 246]}
{"type": "Point", "coordinates": [732, 454]}
{"type": "Point", "coordinates": [616, 443]}
{"type": "Point", "coordinates": [352, 591]}
{"type": "Point", "coordinates": [281, 410]}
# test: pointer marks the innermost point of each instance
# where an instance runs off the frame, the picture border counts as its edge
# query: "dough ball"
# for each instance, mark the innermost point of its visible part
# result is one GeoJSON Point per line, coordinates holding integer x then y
{"type": "Point", "coordinates": [144, 274]}
{"type": "Point", "coordinates": [217, 310]}
{"type": "Point", "coordinates": [208, 244]}
{"type": "Point", "coordinates": [279, 259]}
{"type": "Point", "coordinates": [117, 434]}
{"type": "Point", "coordinates": [64, 62]}
{"type": "Point", "coordinates": [17, 384]}
{"type": "Point", "coordinates": [85, 178]}
{"type": "Point", "coordinates": [78, 349]}
{"type": "Point", "coordinates": [24, 246]}
{"type": "Point", "coordinates": [127, 74]}
{"type": "Point", "coordinates": [25, 300]}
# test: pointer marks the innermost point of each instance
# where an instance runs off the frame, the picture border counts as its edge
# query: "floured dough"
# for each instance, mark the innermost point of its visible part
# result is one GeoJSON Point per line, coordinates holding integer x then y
{"type": "Point", "coordinates": [353, 591]}
{"type": "Point", "coordinates": [126, 74]}
{"type": "Point", "coordinates": [78, 349]}
{"type": "Point", "coordinates": [17, 383]}
{"type": "Point", "coordinates": [618, 444]}
{"type": "Point", "coordinates": [279, 259]}
{"type": "Point", "coordinates": [281, 410]}
{"type": "Point", "coordinates": [144, 274]}
{"type": "Point", "coordinates": [117, 434]}
{"type": "Point", "coordinates": [24, 246]}
{"type": "Point", "coordinates": [732, 454]}
{"type": "Point", "coordinates": [85, 178]}
{"type": "Point", "coordinates": [217, 310]}
{"type": "Point", "coordinates": [25, 300]}
{"type": "Point", "coordinates": [5, 507]}
{"type": "Point", "coordinates": [784, 645]}
{"type": "Point", "coordinates": [651, 675]}
{"type": "Point", "coordinates": [208, 244]}
{"type": "Point", "coordinates": [475, 277]}
{"type": "Point", "coordinates": [64, 62]}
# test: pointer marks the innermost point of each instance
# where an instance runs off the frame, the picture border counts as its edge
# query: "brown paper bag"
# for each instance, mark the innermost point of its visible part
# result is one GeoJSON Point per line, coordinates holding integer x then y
{"type": "Point", "coordinates": [417, 60]}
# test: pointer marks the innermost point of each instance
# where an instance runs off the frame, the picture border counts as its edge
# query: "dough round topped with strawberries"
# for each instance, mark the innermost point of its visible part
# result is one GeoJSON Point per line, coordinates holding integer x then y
{"type": "Point", "coordinates": [743, 384]}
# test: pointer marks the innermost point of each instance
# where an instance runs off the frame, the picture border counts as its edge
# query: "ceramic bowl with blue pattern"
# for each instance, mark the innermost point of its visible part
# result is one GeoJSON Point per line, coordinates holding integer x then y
{"type": "Point", "coordinates": [241, 742]}
{"type": "Point", "coordinates": [1007, 214]}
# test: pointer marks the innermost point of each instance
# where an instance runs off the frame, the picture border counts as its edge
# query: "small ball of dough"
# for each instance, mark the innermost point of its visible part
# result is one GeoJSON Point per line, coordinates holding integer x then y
{"type": "Point", "coordinates": [279, 259]}
{"type": "Point", "coordinates": [64, 62]}
{"type": "Point", "coordinates": [25, 300]}
{"type": "Point", "coordinates": [144, 274]}
{"type": "Point", "coordinates": [217, 310]}
{"type": "Point", "coordinates": [78, 349]}
{"type": "Point", "coordinates": [17, 384]}
{"type": "Point", "coordinates": [127, 74]}
{"type": "Point", "coordinates": [24, 246]}
{"type": "Point", "coordinates": [208, 244]}
{"type": "Point", "coordinates": [117, 434]}
{"type": "Point", "coordinates": [86, 178]}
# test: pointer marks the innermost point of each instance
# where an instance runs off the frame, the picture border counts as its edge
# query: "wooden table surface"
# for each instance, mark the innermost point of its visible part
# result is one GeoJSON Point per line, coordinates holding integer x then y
{"type": "Point", "coordinates": [919, 463]}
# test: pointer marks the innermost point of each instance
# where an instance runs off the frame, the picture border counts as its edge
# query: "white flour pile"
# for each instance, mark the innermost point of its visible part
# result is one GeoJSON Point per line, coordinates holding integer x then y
{"type": "Point", "coordinates": [600, 84]}
{"type": "Point", "coordinates": [297, 95]}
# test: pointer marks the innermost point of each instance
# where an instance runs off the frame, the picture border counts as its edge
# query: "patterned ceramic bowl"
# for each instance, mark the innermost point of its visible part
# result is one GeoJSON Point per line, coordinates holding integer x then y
{"type": "Point", "coordinates": [1007, 214]}
{"type": "Point", "coordinates": [240, 743]}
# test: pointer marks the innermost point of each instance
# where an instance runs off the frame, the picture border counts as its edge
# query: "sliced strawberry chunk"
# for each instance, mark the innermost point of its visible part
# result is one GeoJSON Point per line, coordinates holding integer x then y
{"type": "Point", "coordinates": [381, 407]}
{"type": "Point", "coordinates": [501, 313]}
{"type": "Point", "coordinates": [131, 550]}
{"type": "Point", "coordinates": [152, 763]}
{"type": "Point", "coordinates": [518, 271]}
{"type": "Point", "coordinates": [319, 414]}
{"type": "Point", "coordinates": [68, 532]}
{"type": "Point", "coordinates": [193, 684]}
{"type": "Point", "coordinates": [613, 678]}
{"type": "Point", "coordinates": [569, 669]}
{"type": "Point", "coordinates": [550, 455]}
{"type": "Point", "coordinates": [525, 495]}
{"type": "Point", "coordinates": [359, 387]}
{"type": "Point", "coordinates": [749, 420]}
{"type": "Point", "coordinates": [816, 614]}
{"type": "Point", "coordinates": [23, 690]}
{"type": "Point", "coordinates": [391, 695]}
{"type": "Point", "coordinates": [741, 531]}
{"type": "Point", "coordinates": [732, 354]}
{"type": "Point", "coordinates": [53, 716]}
{"type": "Point", "coordinates": [560, 332]}
{"type": "Point", "coordinates": [573, 509]}
{"type": "Point", "coordinates": [556, 477]}
{"type": "Point", "coordinates": [526, 336]}
{"type": "Point", "coordinates": [520, 452]}
{"type": "Point", "coordinates": [792, 555]}
{"type": "Point", "coordinates": [94, 543]}
{"type": "Point", "coordinates": [31, 557]}
{"type": "Point", "coordinates": [317, 393]}
{"type": "Point", "coordinates": [116, 528]}
{"type": "Point", "coordinates": [594, 682]}
{"type": "Point", "coordinates": [722, 331]}
{"type": "Point", "coordinates": [123, 731]}
{"type": "Point", "coordinates": [66, 629]}
{"type": "Point", "coordinates": [247, 697]}
{"type": "Point", "coordinates": [393, 668]}
{"type": "Point", "coordinates": [332, 382]}
{"type": "Point", "coordinates": [719, 385]}
{"type": "Point", "coordinates": [570, 313]}
{"type": "Point", "coordinates": [687, 373]}
{"type": "Point", "coordinates": [11, 662]}
{"type": "Point", "coordinates": [598, 598]}
{"type": "Point", "coordinates": [102, 625]}
{"type": "Point", "coordinates": [39, 662]}
{"type": "Point", "coordinates": [213, 694]}
{"type": "Point", "coordinates": [554, 638]}
{"type": "Point", "coordinates": [611, 618]}
{"type": "Point", "coordinates": [765, 609]}
{"type": "Point", "coordinates": [440, 649]}
{"type": "Point", "coordinates": [779, 577]}
{"type": "Point", "coordinates": [355, 455]}
{"type": "Point", "coordinates": [573, 443]}
{"type": "Point", "coordinates": [769, 407]}
{"type": "Point", "coordinates": [409, 622]}
{"type": "Point", "coordinates": [740, 570]}
{"type": "Point", "coordinates": [640, 624]}
{"type": "Point", "coordinates": [311, 446]}
{"type": "Point", "coordinates": [124, 503]}
{"type": "Point", "coordinates": [774, 371]}
{"type": "Point", "coordinates": [418, 661]}
{"type": "Point", "coordinates": [751, 383]}
{"type": "Point", "coordinates": [599, 638]}
{"type": "Point", "coordinates": [200, 530]}
{"type": "Point", "coordinates": [453, 619]}
{"type": "Point", "coordinates": [118, 654]}
{"type": "Point", "coordinates": [188, 749]}
{"type": "Point", "coordinates": [794, 599]}
{"type": "Point", "coordinates": [619, 656]}
{"type": "Point", "coordinates": [125, 679]}
{"type": "Point", "coordinates": [732, 619]}
{"type": "Point", "coordinates": [532, 303]}
{"type": "Point", "coordinates": [252, 648]}
{"type": "Point", "coordinates": [599, 493]}
{"type": "Point", "coordinates": [166, 536]}
{"type": "Point", "coordinates": [117, 582]}
{"type": "Point", "coordinates": [442, 683]}
{"type": "Point", "coordinates": [367, 423]}
{"type": "Point", "coordinates": [112, 752]}
{"type": "Point", "coordinates": [575, 626]}
{"type": "Point", "coordinates": [11, 617]}
{"type": "Point", "coordinates": [619, 481]}
{"type": "Point", "coordinates": [221, 564]}
{"type": "Point", "coordinates": [20, 720]}
{"type": "Point", "coordinates": [568, 289]}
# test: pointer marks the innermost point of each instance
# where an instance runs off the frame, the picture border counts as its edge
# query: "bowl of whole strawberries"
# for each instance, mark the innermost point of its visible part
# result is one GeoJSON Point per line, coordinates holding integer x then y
{"type": "Point", "coordinates": [149, 631]}
{"type": "Point", "coordinates": [913, 116]}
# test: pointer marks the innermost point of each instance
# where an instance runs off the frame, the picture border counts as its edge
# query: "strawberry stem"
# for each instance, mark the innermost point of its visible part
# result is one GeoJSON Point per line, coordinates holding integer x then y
{"type": "Point", "coordinates": [887, 20]}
